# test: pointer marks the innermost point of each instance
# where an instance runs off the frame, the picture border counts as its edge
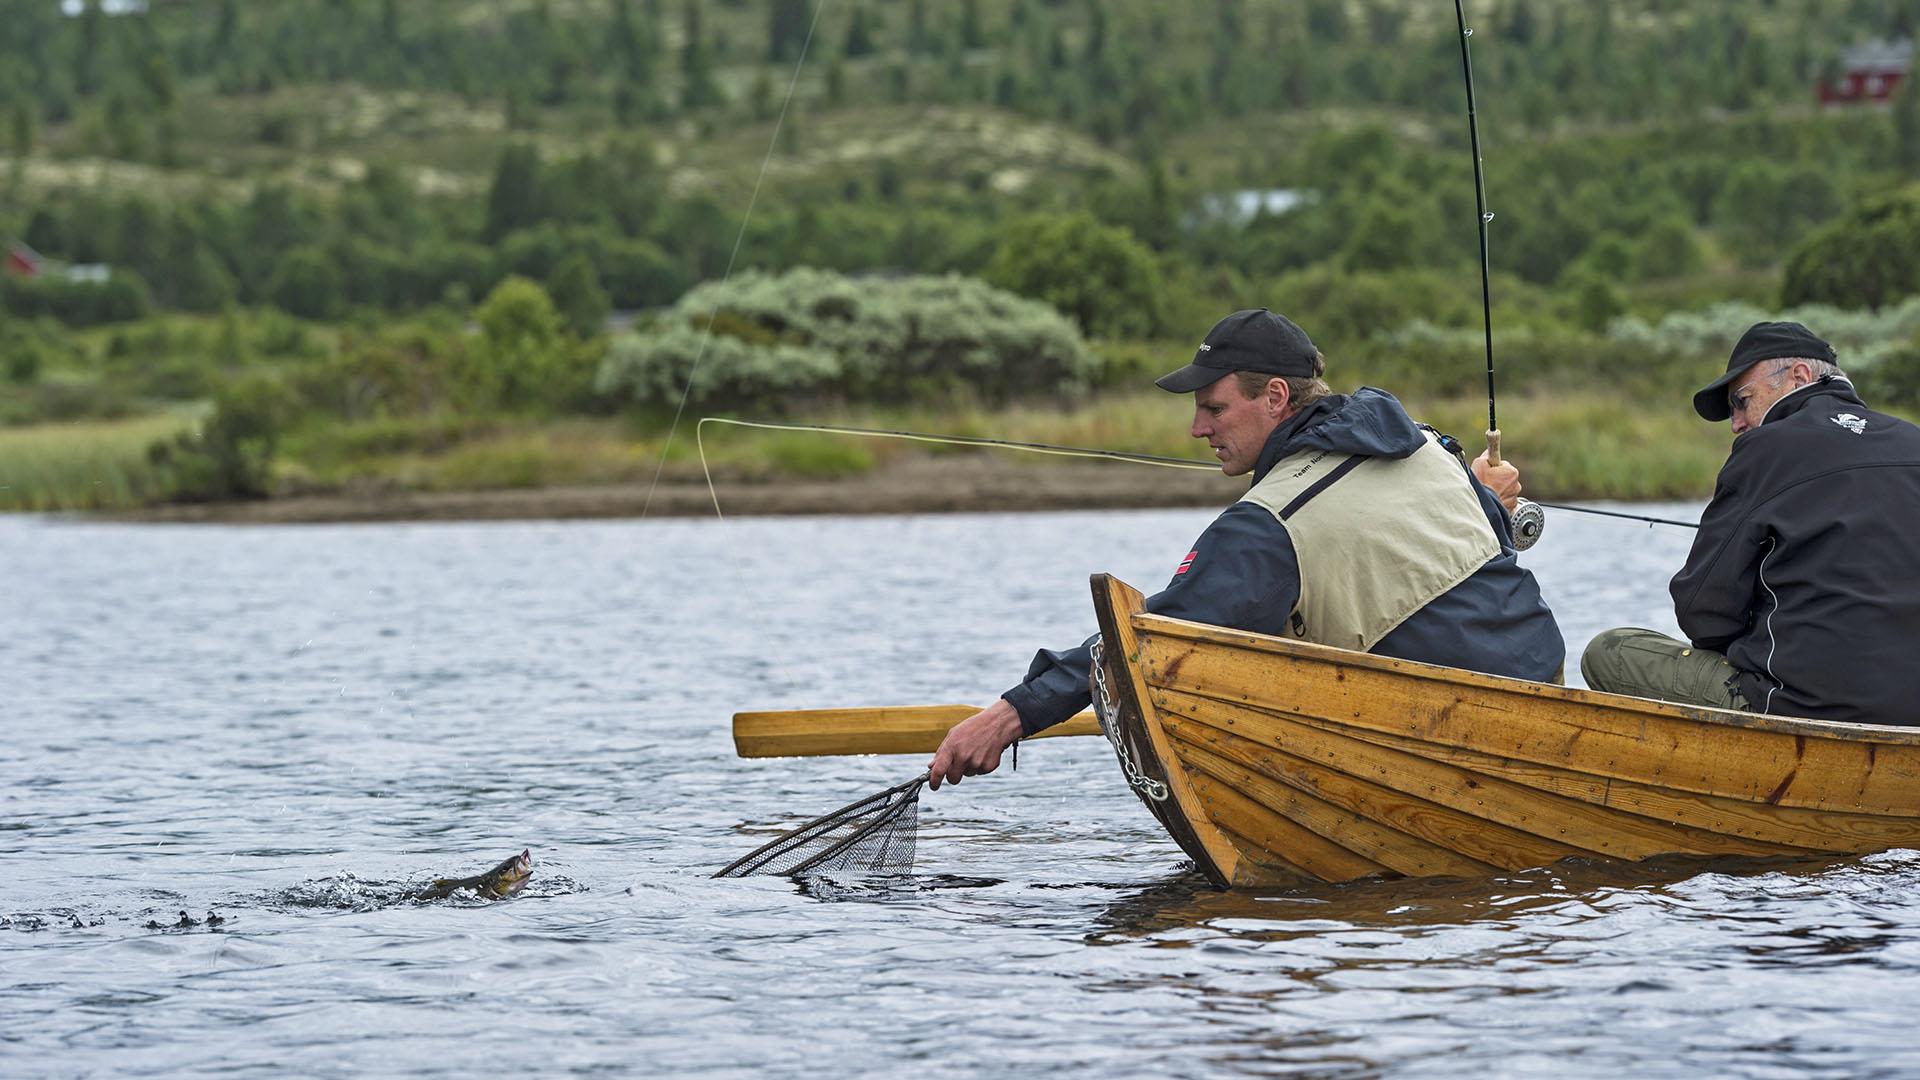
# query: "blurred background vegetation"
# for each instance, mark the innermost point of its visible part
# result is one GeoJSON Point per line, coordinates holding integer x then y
{"type": "Point", "coordinates": [356, 245]}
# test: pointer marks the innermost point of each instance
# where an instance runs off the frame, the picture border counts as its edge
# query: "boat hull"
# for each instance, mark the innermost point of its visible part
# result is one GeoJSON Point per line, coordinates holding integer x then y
{"type": "Point", "coordinates": [1271, 761]}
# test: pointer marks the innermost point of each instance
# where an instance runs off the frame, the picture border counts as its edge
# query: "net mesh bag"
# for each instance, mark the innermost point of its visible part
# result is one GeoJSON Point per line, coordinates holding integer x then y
{"type": "Point", "coordinates": [875, 835]}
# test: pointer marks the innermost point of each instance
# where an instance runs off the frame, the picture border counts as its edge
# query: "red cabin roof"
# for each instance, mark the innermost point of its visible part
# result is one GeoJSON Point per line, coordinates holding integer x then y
{"type": "Point", "coordinates": [22, 260]}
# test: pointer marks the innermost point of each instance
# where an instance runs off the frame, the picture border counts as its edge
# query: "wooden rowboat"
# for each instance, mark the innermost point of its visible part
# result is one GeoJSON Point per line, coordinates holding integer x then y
{"type": "Point", "coordinates": [1271, 761]}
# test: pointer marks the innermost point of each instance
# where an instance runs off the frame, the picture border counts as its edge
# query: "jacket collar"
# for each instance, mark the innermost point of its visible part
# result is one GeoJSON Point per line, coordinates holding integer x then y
{"type": "Point", "coordinates": [1280, 443]}
{"type": "Point", "coordinates": [1793, 401]}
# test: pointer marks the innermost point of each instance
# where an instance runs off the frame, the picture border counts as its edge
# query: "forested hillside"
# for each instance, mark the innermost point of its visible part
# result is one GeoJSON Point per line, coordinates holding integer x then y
{"type": "Point", "coordinates": [419, 214]}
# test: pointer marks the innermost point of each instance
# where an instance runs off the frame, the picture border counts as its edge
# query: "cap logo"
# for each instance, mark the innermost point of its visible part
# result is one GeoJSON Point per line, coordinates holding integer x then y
{"type": "Point", "coordinates": [1852, 423]}
{"type": "Point", "coordinates": [1206, 348]}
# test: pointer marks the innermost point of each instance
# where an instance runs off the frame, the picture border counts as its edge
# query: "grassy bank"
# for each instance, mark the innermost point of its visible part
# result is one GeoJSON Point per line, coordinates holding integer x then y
{"type": "Point", "coordinates": [1570, 447]}
{"type": "Point", "coordinates": [98, 465]}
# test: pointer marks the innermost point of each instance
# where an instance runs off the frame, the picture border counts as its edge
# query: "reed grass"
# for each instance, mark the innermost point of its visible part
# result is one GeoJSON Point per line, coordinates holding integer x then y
{"type": "Point", "coordinates": [94, 465]}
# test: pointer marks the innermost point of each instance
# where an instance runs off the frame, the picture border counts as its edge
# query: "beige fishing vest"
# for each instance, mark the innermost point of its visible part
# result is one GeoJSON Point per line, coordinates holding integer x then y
{"type": "Point", "coordinates": [1379, 543]}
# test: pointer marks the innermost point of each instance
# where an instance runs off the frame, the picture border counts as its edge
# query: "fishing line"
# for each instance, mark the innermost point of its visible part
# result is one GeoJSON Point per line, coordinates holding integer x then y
{"type": "Point", "coordinates": [699, 441]}
{"type": "Point", "coordinates": [1055, 449]}
{"type": "Point", "coordinates": [706, 336]}
{"type": "Point", "coordinates": [1618, 514]}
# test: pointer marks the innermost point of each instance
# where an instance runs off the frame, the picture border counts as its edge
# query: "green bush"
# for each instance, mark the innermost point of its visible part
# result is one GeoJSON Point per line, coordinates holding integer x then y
{"type": "Point", "coordinates": [403, 372]}
{"type": "Point", "coordinates": [1858, 336]}
{"type": "Point", "coordinates": [1894, 380]}
{"type": "Point", "coordinates": [120, 298]}
{"type": "Point", "coordinates": [1668, 249]}
{"type": "Point", "coordinates": [307, 284]}
{"type": "Point", "coordinates": [23, 362]}
{"type": "Point", "coordinates": [524, 359]}
{"type": "Point", "coordinates": [231, 456]}
{"type": "Point", "coordinates": [638, 274]}
{"type": "Point", "coordinates": [810, 334]}
{"type": "Point", "coordinates": [652, 369]}
{"type": "Point", "coordinates": [1869, 258]}
{"type": "Point", "coordinates": [26, 348]}
{"type": "Point", "coordinates": [1096, 274]}
{"type": "Point", "coordinates": [1340, 309]}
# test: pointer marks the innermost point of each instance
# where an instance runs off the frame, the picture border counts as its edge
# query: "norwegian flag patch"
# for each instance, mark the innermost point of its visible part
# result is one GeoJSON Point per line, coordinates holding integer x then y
{"type": "Point", "coordinates": [1186, 563]}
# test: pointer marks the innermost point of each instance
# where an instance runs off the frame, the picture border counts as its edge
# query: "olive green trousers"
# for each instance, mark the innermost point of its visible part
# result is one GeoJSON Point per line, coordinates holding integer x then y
{"type": "Point", "coordinates": [1644, 663]}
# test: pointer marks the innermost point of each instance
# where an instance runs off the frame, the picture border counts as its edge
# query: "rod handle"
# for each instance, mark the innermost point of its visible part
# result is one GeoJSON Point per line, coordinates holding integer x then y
{"type": "Point", "coordinates": [1493, 447]}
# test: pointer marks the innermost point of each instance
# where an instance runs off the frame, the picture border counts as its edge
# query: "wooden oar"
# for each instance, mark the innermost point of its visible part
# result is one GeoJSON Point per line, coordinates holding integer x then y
{"type": "Point", "coordinates": [902, 729]}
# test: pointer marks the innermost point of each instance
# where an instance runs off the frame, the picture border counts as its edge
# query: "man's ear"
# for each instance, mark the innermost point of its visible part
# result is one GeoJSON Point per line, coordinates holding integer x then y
{"type": "Point", "coordinates": [1278, 396]}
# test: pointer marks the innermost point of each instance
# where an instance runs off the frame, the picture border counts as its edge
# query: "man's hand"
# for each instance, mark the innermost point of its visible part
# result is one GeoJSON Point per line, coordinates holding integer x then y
{"type": "Point", "coordinates": [973, 745]}
{"type": "Point", "coordinates": [1502, 479]}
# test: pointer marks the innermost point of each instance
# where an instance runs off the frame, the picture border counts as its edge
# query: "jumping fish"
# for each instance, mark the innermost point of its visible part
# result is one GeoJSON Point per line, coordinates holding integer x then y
{"type": "Point", "coordinates": [496, 884]}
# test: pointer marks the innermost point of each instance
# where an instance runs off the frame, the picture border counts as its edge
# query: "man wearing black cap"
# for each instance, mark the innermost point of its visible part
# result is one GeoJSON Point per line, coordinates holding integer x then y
{"type": "Point", "coordinates": [1801, 596]}
{"type": "Point", "coordinates": [1360, 531]}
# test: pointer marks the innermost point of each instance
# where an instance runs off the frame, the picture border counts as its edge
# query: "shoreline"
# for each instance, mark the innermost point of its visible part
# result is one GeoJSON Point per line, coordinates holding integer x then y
{"type": "Point", "coordinates": [922, 486]}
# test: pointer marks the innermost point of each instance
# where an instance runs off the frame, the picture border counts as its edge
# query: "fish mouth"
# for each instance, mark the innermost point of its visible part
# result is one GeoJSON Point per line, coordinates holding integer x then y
{"type": "Point", "coordinates": [514, 877]}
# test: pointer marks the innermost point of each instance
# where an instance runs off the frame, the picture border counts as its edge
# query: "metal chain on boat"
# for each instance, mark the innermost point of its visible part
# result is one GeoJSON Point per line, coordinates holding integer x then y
{"type": "Point", "coordinates": [1109, 712]}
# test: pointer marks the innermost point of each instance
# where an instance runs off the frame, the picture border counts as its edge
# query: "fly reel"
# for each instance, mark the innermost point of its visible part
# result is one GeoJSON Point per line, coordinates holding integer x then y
{"type": "Point", "coordinates": [1529, 521]}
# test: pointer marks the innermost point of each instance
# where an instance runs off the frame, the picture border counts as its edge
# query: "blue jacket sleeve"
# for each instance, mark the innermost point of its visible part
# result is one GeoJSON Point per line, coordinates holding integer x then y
{"type": "Point", "coordinates": [1241, 573]}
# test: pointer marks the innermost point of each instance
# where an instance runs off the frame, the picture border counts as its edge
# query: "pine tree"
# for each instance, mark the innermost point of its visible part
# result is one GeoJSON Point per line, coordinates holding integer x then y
{"type": "Point", "coordinates": [859, 34]}
{"type": "Point", "coordinates": [788, 22]}
{"type": "Point", "coordinates": [1906, 125]}
{"type": "Point", "coordinates": [576, 290]}
{"type": "Point", "coordinates": [21, 133]}
{"type": "Point", "coordinates": [972, 34]}
{"type": "Point", "coordinates": [917, 27]}
{"type": "Point", "coordinates": [225, 28]}
{"type": "Point", "coordinates": [698, 89]}
{"type": "Point", "coordinates": [92, 32]}
{"type": "Point", "coordinates": [760, 95]}
{"type": "Point", "coordinates": [789, 140]}
{"type": "Point", "coordinates": [513, 199]}
{"type": "Point", "coordinates": [836, 83]}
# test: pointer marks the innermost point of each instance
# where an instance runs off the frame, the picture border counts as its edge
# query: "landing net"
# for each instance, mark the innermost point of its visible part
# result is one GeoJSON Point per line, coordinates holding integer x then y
{"type": "Point", "coordinates": [875, 835]}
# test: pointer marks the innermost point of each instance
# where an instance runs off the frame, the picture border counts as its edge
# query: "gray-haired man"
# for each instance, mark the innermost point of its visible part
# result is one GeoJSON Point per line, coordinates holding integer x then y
{"type": "Point", "coordinates": [1802, 593]}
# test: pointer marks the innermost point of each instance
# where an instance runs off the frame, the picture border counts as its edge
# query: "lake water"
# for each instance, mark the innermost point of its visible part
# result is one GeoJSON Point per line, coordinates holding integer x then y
{"type": "Point", "coordinates": [282, 726]}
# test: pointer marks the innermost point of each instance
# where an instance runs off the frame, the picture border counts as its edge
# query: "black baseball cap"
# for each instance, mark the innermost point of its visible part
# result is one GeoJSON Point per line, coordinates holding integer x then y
{"type": "Point", "coordinates": [1256, 340]}
{"type": "Point", "coordinates": [1762, 341]}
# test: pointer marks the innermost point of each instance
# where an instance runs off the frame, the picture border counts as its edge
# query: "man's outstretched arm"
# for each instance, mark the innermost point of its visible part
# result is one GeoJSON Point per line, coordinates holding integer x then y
{"type": "Point", "coordinates": [1241, 573]}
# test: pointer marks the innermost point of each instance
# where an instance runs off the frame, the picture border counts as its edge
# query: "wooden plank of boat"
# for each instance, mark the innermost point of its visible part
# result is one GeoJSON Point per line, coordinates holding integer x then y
{"type": "Point", "coordinates": [1273, 757]}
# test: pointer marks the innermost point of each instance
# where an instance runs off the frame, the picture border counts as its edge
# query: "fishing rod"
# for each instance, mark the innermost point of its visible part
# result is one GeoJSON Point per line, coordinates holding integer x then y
{"type": "Point", "coordinates": [1053, 448]}
{"type": "Point", "coordinates": [1529, 521]}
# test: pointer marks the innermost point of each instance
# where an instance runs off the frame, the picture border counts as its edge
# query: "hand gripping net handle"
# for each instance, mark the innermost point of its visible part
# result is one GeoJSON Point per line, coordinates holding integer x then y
{"type": "Point", "coordinates": [876, 834]}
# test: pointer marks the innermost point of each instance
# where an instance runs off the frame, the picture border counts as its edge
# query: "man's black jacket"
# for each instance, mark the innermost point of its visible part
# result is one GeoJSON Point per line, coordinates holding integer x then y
{"type": "Point", "coordinates": [1243, 573]}
{"type": "Point", "coordinates": [1806, 571]}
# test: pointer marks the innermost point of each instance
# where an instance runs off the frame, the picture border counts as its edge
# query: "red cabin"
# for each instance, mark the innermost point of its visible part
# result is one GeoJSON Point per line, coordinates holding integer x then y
{"type": "Point", "coordinates": [1869, 72]}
